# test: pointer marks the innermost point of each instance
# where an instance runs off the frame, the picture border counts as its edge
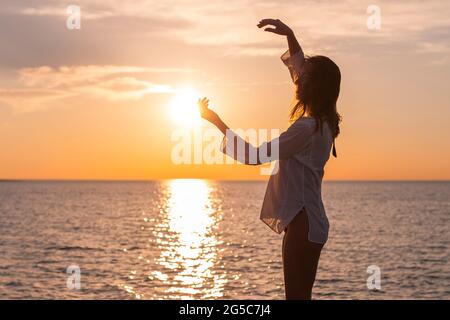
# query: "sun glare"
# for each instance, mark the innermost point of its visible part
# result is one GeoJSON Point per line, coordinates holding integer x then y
{"type": "Point", "coordinates": [190, 248]}
{"type": "Point", "coordinates": [183, 108]}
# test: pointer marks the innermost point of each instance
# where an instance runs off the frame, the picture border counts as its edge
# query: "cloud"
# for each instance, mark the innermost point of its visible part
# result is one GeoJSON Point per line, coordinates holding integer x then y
{"type": "Point", "coordinates": [69, 76]}
{"type": "Point", "coordinates": [226, 28]}
{"type": "Point", "coordinates": [179, 32]}
{"type": "Point", "coordinates": [39, 88]}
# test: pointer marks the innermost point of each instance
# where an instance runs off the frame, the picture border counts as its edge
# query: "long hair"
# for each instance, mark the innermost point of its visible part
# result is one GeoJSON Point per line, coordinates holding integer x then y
{"type": "Point", "coordinates": [318, 91]}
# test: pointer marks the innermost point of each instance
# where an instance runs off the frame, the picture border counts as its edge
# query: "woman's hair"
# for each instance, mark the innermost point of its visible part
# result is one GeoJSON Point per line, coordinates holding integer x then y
{"type": "Point", "coordinates": [318, 91]}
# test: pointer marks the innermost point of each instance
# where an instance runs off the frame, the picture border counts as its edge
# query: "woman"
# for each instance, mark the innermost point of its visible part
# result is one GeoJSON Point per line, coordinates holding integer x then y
{"type": "Point", "coordinates": [293, 201]}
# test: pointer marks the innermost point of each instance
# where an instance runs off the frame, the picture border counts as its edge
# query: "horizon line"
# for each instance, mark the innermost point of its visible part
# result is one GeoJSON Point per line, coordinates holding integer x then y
{"type": "Point", "coordinates": [218, 180]}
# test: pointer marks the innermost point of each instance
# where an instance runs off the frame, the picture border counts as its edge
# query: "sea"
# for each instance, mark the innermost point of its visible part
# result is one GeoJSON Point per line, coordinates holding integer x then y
{"type": "Point", "coordinates": [202, 239]}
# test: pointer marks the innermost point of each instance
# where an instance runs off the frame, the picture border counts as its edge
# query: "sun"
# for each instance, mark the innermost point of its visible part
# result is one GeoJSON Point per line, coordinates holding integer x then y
{"type": "Point", "coordinates": [183, 108]}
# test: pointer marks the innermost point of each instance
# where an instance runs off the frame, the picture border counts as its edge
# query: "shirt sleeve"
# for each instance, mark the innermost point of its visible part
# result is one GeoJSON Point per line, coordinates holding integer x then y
{"type": "Point", "coordinates": [290, 142]}
{"type": "Point", "coordinates": [294, 63]}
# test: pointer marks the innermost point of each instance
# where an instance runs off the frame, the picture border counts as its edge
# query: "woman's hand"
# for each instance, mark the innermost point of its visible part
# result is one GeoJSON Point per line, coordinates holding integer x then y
{"type": "Point", "coordinates": [278, 27]}
{"type": "Point", "coordinates": [205, 112]}
{"type": "Point", "coordinates": [211, 116]}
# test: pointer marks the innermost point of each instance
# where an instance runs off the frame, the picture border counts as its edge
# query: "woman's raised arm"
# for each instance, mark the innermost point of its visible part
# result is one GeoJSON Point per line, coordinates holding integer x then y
{"type": "Point", "coordinates": [278, 27]}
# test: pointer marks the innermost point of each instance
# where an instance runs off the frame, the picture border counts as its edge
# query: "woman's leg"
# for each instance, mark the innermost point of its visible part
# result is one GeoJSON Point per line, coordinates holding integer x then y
{"type": "Point", "coordinates": [300, 259]}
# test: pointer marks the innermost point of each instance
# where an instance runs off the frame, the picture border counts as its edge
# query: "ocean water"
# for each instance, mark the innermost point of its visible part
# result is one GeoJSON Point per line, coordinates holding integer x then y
{"type": "Point", "coordinates": [198, 239]}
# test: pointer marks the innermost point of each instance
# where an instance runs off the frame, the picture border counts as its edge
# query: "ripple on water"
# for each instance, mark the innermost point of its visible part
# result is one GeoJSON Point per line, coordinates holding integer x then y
{"type": "Point", "coordinates": [199, 239]}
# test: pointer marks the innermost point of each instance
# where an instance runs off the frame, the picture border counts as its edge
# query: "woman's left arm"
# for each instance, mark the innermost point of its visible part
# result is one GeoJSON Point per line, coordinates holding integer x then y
{"type": "Point", "coordinates": [249, 155]}
{"type": "Point", "coordinates": [283, 147]}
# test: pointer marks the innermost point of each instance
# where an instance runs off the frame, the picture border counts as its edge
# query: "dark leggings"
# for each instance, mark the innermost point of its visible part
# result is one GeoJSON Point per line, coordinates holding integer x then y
{"type": "Point", "coordinates": [300, 259]}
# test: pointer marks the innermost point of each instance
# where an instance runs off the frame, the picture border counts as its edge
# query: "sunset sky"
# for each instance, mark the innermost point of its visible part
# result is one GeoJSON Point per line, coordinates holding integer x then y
{"type": "Point", "coordinates": [95, 103]}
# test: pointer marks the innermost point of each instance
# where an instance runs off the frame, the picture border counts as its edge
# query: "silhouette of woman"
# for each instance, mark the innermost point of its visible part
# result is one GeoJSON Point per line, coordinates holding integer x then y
{"type": "Point", "coordinates": [293, 201]}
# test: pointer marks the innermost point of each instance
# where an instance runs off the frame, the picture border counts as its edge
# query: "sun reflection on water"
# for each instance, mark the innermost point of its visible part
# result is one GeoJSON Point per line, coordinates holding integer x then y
{"type": "Point", "coordinates": [188, 243]}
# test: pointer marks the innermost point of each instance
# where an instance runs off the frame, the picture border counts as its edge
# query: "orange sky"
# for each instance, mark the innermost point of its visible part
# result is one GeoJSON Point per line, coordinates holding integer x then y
{"type": "Point", "coordinates": [93, 103]}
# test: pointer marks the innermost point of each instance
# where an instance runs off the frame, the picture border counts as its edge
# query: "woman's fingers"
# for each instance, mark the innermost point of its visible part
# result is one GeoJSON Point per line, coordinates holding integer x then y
{"type": "Point", "coordinates": [203, 103]}
{"type": "Point", "coordinates": [275, 26]}
{"type": "Point", "coordinates": [205, 112]}
{"type": "Point", "coordinates": [266, 22]}
{"type": "Point", "coordinates": [200, 103]}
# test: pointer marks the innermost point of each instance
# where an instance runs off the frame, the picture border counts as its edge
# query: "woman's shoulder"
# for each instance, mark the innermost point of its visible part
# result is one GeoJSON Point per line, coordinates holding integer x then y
{"type": "Point", "coordinates": [303, 125]}
{"type": "Point", "coordinates": [309, 122]}
{"type": "Point", "coordinates": [304, 122]}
